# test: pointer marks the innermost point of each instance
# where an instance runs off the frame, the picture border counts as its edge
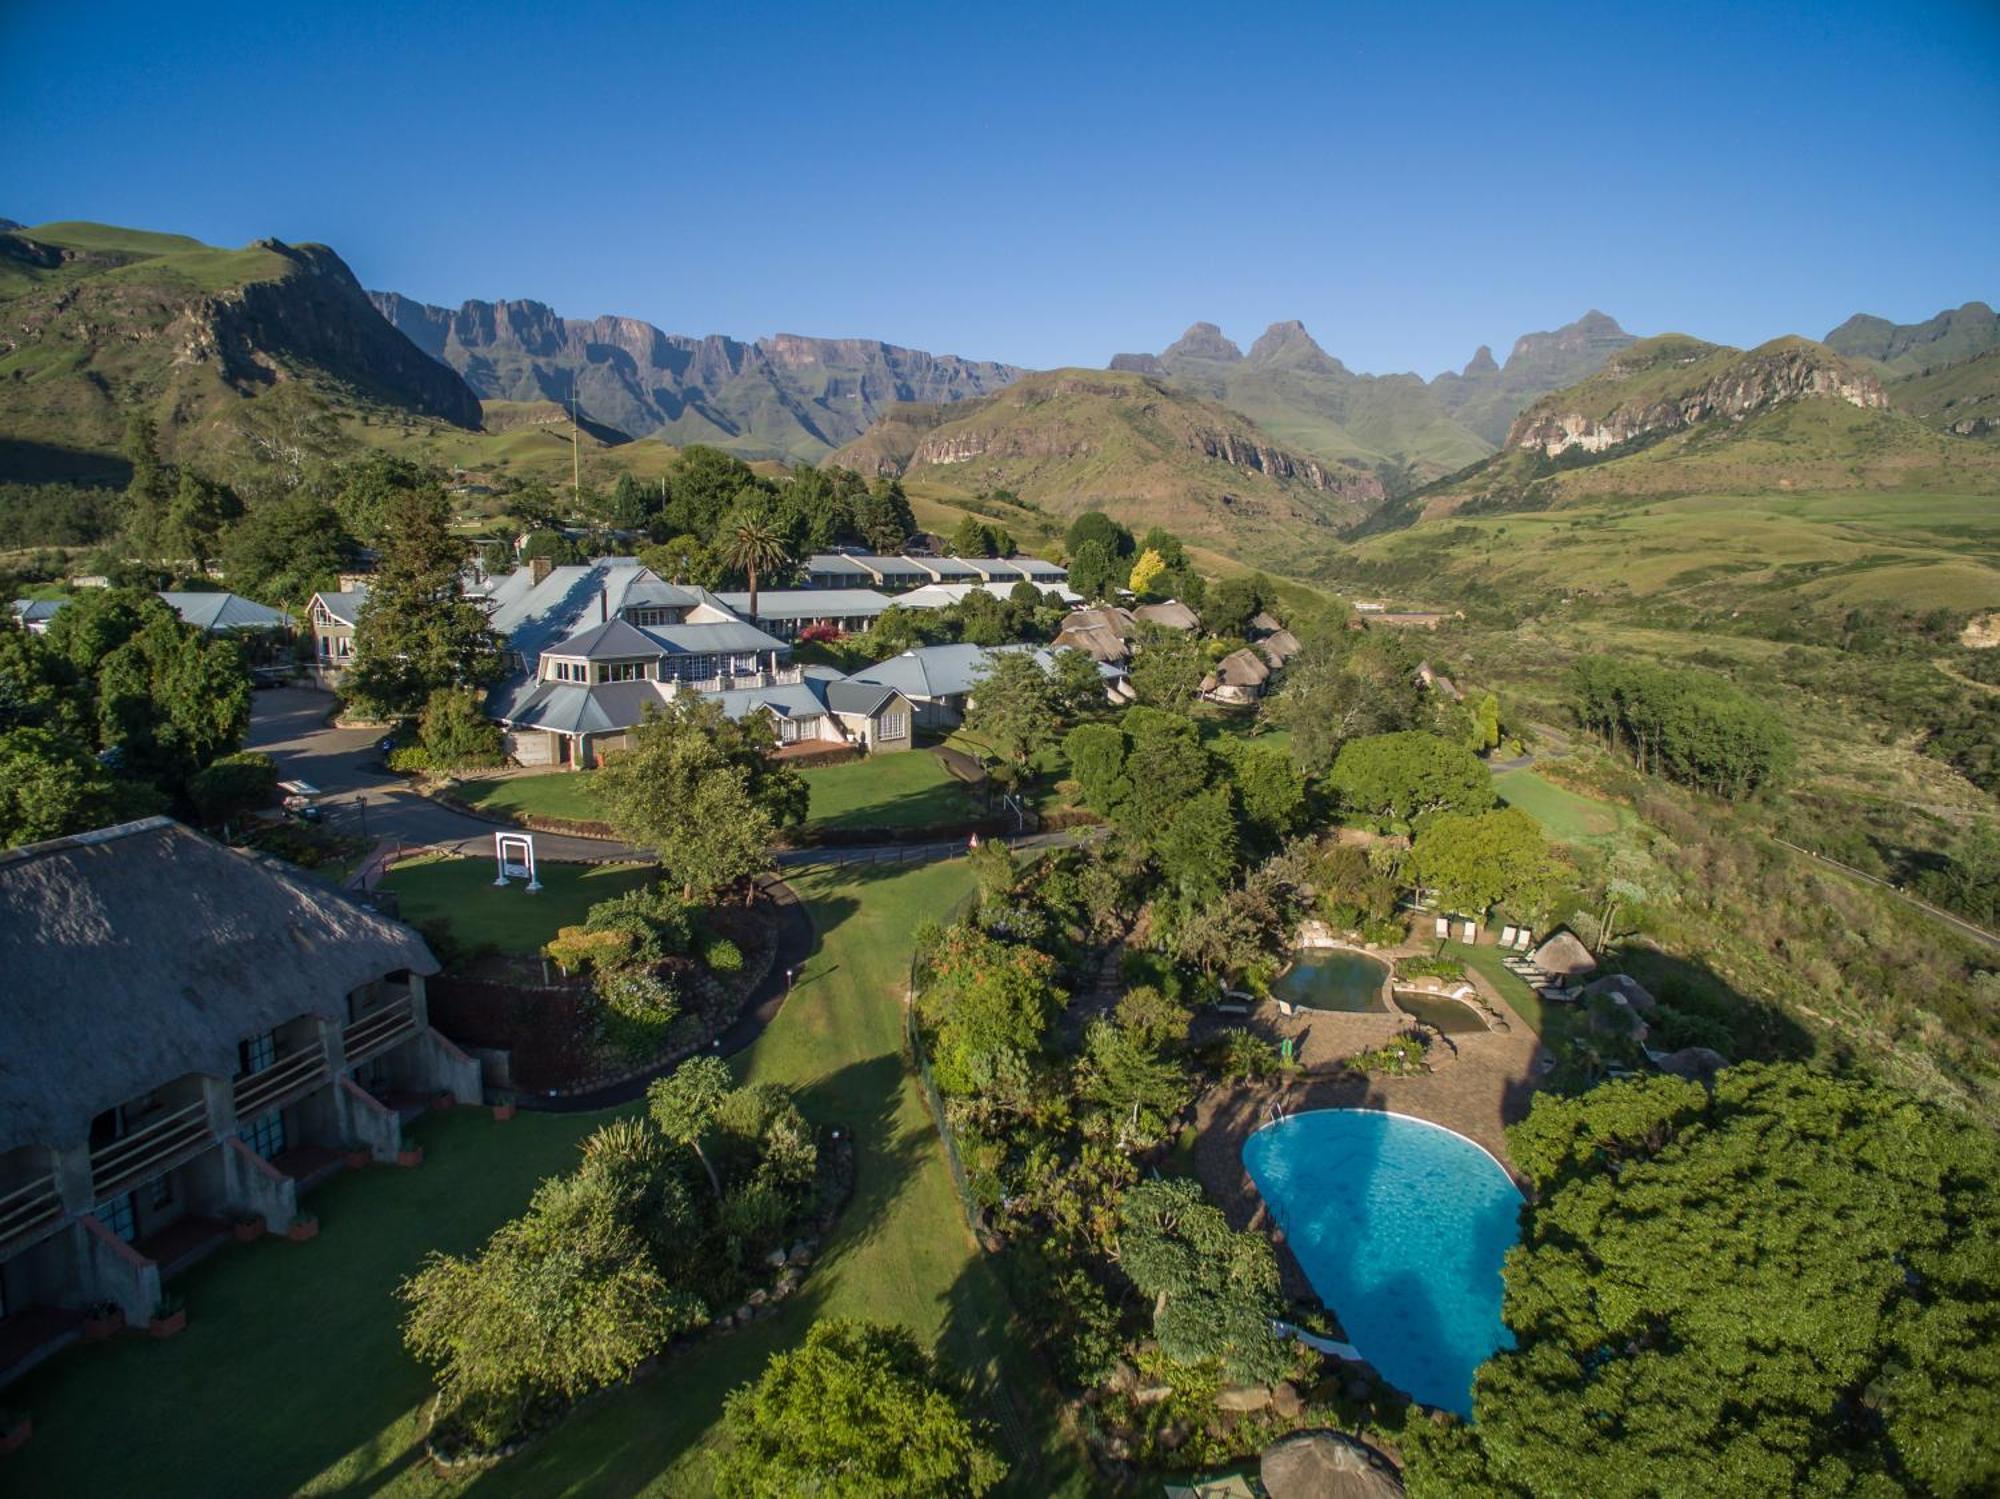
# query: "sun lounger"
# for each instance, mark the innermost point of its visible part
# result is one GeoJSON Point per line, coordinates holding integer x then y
{"type": "Point", "coordinates": [1524, 941]}
{"type": "Point", "coordinates": [1469, 930]}
{"type": "Point", "coordinates": [1507, 936]}
{"type": "Point", "coordinates": [1444, 927]}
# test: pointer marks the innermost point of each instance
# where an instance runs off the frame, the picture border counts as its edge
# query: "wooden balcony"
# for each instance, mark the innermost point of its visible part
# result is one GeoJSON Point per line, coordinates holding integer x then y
{"type": "Point", "coordinates": [145, 1153]}
{"type": "Point", "coordinates": [377, 1031]}
{"type": "Point", "coordinates": [280, 1083]}
{"type": "Point", "coordinates": [27, 1210]}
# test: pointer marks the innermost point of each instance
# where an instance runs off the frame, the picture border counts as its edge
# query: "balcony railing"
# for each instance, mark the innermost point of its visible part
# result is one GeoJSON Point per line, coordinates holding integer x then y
{"type": "Point", "coordinates": [280, 1083]}
{"type": "Point", "coordinates": [379, 1030]}
{"type": "Point", "coordinates": [144, 1153]}
{"type": "Point", "coordinates": [27, 1208]}
{"type": "Point", "coordinates": [788, 676]}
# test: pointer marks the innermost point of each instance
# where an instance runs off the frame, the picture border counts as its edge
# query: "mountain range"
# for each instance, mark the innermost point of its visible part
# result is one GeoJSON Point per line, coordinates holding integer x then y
{"type": "Point", "coordinates": [784, 397]}
{"type": "Point", "coordinates": [1268, 453]}
{"type": "Point", "coordinates": [1304, 396]}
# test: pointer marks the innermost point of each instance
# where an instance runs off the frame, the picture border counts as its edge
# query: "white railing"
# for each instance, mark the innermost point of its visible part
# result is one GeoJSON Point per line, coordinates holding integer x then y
{"type": "Point", "coordinates": [379, 1030]}
{"type": "Point", "coordinates": [280, 1083]}
{"type": "Point", "coordinates": [27, 1208]}
{"type": "Point", "coordinates": [159, 1147]}
{"type": "Point", "coordinates": [788, 676]}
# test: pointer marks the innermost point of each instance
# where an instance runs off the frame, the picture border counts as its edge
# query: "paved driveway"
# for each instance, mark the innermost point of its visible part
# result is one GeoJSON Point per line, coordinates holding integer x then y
{"type": "Point", "coordinates": [290, 725]}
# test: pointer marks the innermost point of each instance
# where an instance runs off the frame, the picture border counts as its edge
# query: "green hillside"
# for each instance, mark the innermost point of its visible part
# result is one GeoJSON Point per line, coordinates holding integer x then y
{"type": "Point", "coordinates": [1953, 336]}
{"type": "Point", "coordinates": [1135, 446]}
{"type": "Point", "coordinates": [1960, 399]}
{"type": "Point", "coordinates": [101, 321]}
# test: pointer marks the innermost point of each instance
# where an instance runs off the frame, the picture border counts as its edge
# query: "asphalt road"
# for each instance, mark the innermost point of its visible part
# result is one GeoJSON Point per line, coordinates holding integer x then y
{"type": "Point", "coordinates": [290, 725]}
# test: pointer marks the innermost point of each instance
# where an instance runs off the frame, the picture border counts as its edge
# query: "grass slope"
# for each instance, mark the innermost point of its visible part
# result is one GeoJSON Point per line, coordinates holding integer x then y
{"type": "Point", "coordinates": [291, 1376]}
{"type": "Point", "coordinates": [1720, 550]}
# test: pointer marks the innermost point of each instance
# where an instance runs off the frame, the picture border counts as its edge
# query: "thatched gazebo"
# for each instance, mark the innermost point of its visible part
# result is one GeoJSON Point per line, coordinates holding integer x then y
{"type": "Point", "coordinates": [1564, 957]}
{"type": "Point", "coordinates": [1326, 1465]}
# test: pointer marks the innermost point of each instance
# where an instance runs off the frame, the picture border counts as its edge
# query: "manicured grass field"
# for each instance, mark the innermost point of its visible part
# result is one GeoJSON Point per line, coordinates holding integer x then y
{"type": "Point", "coordinates": [891, 792]}
{"type": "Point", "coordinates": [291, 1377]}
{"type": "Point", "coordinates": [510, 919]}
{"type": "Point", "coordinates": [1569, 818]}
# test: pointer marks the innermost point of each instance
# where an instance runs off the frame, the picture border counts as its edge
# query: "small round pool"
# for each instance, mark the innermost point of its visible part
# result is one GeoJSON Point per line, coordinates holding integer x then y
{"type": "Point", "coordinates": [1401, 1227]}
{"type": "Point", "coordinates": [1333, 979]}
{"type": "Point", "coordinates": [1454, 1017]}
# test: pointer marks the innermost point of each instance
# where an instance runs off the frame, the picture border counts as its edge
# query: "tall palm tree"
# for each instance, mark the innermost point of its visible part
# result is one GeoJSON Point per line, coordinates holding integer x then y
{"type": "Point", "coordinates": [754, 547]}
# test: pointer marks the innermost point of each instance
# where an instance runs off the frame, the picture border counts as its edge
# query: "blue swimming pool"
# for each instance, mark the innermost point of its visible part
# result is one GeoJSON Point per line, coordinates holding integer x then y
{"type": "Point", "coordinates": [1401, 1227]}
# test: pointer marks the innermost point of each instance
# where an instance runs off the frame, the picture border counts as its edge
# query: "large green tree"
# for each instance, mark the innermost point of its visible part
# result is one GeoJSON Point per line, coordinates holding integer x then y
{"type": "Point", "coordinates": [1789, 1286]}
{"type": "Point", "coordinates": [285, 549]}
{"type": "Point", "coordinates": [1399, 778]}
{"type": "Point", "coordinates": [418, 631]}
{"type": "Point", "coordinates": [51, 786]}
{"type": "Point", "coordinates": [703, 792]}
{"type": "Point", "coordinates": [1013, 708]}
{"type": "Point", "coordinates": [856, 1411]}
{"type": "Point", "coordinates": [1479, 860]}
{"type": "Point", "coordinates": [1214, 1290]}
{"type": "Point", "coordinates": [570, 1297]}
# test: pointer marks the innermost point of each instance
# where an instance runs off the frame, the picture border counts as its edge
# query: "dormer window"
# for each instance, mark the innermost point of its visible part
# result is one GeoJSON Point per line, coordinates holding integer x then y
{"type": "Point", "coordinates": [624, 671]}
{"type": "Point", "coordinates": [570, 671]}
{"type": "Point", "coordinates": [653, 615]}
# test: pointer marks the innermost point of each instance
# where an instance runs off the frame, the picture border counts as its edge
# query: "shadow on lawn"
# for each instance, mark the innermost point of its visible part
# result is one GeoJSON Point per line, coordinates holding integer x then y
{"type": "Point", "coordinates": [625, 1440]}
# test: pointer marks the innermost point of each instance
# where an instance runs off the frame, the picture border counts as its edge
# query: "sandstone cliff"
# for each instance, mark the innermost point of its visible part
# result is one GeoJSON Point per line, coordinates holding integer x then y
{"type": "Point", "coordinates": [1664, 384]}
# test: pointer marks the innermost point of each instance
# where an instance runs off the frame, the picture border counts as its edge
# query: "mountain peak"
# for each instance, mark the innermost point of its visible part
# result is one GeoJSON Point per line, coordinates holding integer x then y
{"type": "Point", "coordinates": [1203, 341]}
{"type": "Point", "coordinates": [1482, 362]}
{"type": "Point", "coordinates": [1289, 344]}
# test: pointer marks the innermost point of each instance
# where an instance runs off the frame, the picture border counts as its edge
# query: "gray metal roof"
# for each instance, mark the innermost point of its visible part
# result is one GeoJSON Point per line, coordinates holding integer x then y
{"type": "Point", "coordinates": [344, 605]}
{"type": "Point", "coordinates": [864, 698]}
{"type": "Point", "coordinates": [612, 641]}
{"type": "Point", "coordinates": [809, 603]}
{"type": "Point", "coordinates": [139, 953]}
{"type": "Point", "coordinates": [724, 636]}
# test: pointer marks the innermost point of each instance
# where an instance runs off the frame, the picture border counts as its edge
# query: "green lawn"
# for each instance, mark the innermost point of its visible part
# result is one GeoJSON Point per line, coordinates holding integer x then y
{"type": "Point", "coordinates": [290, 1377]}
{"type": "Point", "coordinates": [1513, 988]}
{"type": "Point", "coordinates": [892, 792]}
{"type": "Point", "coordinates": [510, 919]}
{"type": "Point", "coordinates": [564, 794]}
{"type": "Point", "coordinates": [1569, 818]}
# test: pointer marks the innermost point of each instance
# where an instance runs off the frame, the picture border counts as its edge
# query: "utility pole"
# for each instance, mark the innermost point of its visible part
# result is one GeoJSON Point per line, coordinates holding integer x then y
{"type": "Point", "coordinates": [575, 452]}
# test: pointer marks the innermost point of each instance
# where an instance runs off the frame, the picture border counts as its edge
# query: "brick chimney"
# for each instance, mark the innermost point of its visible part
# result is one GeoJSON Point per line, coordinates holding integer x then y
{"type": "Point", "coordinates": [538, 568]}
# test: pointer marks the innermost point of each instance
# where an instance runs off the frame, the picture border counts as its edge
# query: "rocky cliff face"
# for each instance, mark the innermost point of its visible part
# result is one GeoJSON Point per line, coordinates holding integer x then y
{"type": "Point", "coordinates": [119, 319]}
{"type": "Point", "coordinates": [787, 396]}
{"type": "Point", "coordinates": [1485, 396]}
{"type": "Point", "coordinates": [1663, 385]}
{"type": "Point", "coordinates": [314, 319]}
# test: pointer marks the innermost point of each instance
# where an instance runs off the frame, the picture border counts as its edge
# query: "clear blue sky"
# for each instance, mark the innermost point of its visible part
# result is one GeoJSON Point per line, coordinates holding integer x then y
{"type": "Point", "coordinates": [1052, 184]}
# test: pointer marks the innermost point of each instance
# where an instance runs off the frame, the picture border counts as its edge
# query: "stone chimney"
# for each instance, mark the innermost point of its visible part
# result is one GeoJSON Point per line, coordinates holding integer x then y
{"type": "Point", "coordinates": [538, 568]}
{"type": "Point", "coordinates": [604, 606]}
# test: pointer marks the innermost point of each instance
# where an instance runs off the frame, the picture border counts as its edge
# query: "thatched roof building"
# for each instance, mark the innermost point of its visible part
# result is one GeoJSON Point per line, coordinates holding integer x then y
{"type": "Point", "coordinates": [146, 951]}
{"type": "Point", "coordinates": [1172, 615]}
{"type": "Point", "coordinates": [1563, 956]}
{"type": "Point", "coordinates": [1326, 1465]}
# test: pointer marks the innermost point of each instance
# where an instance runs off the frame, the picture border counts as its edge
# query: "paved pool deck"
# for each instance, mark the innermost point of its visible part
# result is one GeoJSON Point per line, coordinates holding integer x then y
{"type": "Point", "coordinates": [1479, 1083]}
